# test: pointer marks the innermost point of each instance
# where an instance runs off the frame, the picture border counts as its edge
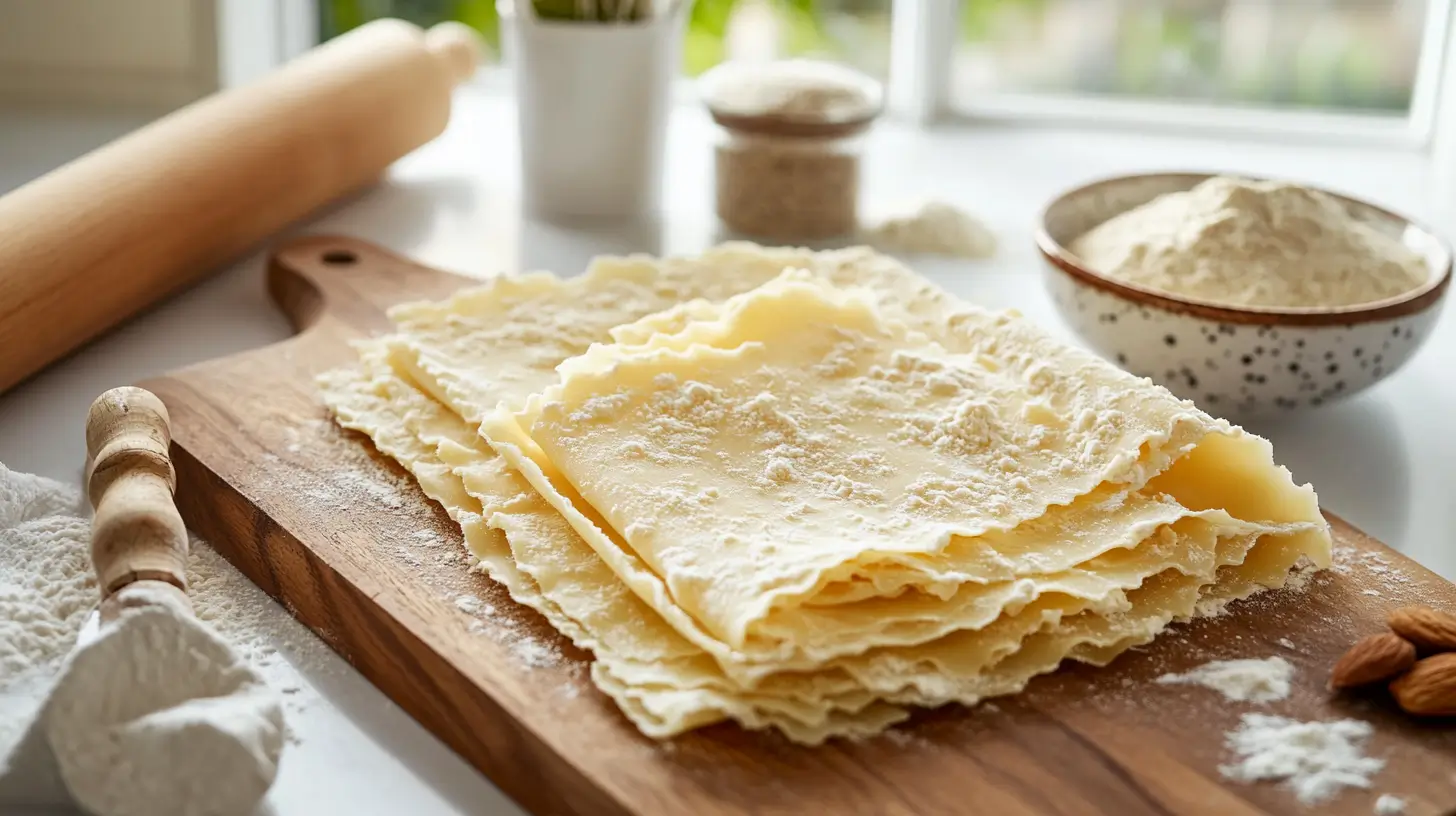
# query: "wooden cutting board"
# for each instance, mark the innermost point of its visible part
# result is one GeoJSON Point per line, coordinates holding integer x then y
{"type": "Point", "coordinates": [342, 537]}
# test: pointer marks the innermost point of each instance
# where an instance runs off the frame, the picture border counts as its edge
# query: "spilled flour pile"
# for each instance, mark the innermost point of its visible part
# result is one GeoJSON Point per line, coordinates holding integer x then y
{"type": "Point", "coordinates": [97, 717]}
{"type": "Point", "coordinates": [1388, 805]}
{"type": "Point", "coordinates": [1251, 680]}
{"type": "Point", "coordinates": [935, 228]}
{"type": "Point", "coordinates": [1314, 759]}
{"type": "Point", "coordinates": [1253, 243]}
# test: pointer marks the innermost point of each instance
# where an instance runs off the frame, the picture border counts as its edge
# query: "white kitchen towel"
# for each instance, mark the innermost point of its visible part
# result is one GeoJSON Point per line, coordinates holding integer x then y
{"type": "Point", "coordinates": [46, 590]}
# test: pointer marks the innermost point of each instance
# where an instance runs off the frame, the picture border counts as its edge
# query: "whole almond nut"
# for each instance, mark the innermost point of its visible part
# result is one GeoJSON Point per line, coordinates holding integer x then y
{"type": "Point", "coordinates": [1373, 659]}
{"type": "Point", "coordinates": [1431, 631]}
{"type": "Point", "coordinates": [1429, 688]}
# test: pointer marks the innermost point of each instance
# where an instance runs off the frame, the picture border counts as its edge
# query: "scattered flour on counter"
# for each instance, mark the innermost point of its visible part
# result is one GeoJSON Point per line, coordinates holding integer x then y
{"type": "Point", "coordinates": [534, 653]}
{"type": "Point", "coordinates": [409, 557]}
{"type": "Point", "coordinates": [1301, 575]}
{"type": "Point", "coordinates": [1342, 559]}
{"type": "Point", "coordinates": [361, 478]}
{"type": "Point", "coordinates": [346, 486]}
{"type": "Point", "coordinates": [1388, 805]}
{"type": "Point", "coordinates": [1392, 580]}
{"type": "Point", "coordinates": [1251, 680]}
{"type": "Point", "coordinates": [1212, 607]}
{"type": "Point", "coordinates": [1286, 643]}
{"type": "Point", "coordinates": [1314, 759]}
{"type": "Point", "coordinates": [901, 737]}
{"type": "Point", "coordinates": [256, 627]}
{"type": "Point", "coordinates": [472, 605]}
{"type": "Point", "coordinates": [935, 228]}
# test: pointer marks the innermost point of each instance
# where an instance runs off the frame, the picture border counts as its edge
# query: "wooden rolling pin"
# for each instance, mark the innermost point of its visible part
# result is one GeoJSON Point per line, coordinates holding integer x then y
{"type": "Point", "coordinates": [138, 540]}
{"type": "Point", "coordinates": [98, 240]}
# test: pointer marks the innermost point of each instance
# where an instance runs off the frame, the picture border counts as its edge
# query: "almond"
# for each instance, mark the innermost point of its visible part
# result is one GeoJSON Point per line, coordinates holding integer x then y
{"type": "Point", "coordinates": [1429, 688]}
{"type": "Point", "coordinates": [1431, 631]}
{"type": "Point", "coordinates": [1373, 659]}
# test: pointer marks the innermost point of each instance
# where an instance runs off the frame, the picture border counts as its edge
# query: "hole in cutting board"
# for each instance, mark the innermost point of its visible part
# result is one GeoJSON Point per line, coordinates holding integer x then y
{"type": "Point", "coordinates": [340, 257]}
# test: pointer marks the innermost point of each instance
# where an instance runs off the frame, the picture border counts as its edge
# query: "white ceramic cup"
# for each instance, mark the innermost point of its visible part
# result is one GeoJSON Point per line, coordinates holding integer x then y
{"type": "Point", "coordinates": [592, 102]}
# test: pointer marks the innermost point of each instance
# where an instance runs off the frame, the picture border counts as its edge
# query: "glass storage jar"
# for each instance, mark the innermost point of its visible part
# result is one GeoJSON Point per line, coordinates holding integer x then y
{"type": "Point", "coordinates": [787, 163]}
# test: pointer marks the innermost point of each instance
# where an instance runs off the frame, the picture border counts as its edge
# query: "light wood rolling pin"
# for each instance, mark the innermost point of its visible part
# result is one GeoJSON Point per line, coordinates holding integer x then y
{"type": "Point", "coordinates": [98, 240]}
{"type": "Point", "coordinates": [138, 540]}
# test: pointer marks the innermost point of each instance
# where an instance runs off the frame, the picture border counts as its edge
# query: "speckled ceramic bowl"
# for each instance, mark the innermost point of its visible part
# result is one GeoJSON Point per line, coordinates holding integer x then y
{"type": "Point", "coordinates": [1232, 360]}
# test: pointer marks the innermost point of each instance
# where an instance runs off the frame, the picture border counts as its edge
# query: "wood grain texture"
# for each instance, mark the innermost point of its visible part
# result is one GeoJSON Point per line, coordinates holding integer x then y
{"type": "Point", "coordinates": [325, 524]}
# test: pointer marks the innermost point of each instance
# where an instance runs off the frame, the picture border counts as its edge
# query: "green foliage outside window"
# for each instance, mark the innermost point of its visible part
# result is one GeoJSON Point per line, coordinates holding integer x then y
{"type": "Point", "coordinates": [1168, 50]}
{"type": "Point", "coordinates": [1331, 55]}
{"type": "Point", "coordinates": [338, 16]}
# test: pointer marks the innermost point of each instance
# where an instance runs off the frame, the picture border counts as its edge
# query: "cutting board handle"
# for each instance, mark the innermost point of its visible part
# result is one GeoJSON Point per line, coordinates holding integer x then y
{"type": "Point", "coordinates": [138, 540]}
{"type": "Point", "coordinates": [348, 282]}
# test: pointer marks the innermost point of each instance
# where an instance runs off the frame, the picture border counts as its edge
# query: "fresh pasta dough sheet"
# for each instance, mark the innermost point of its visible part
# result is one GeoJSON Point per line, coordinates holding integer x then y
{"type": "Point", "coordinates": [661, 681]}
{"type": "Point", "coordinates": [837, 442]}
{"type": "Point", "coordinates": [882, 497]}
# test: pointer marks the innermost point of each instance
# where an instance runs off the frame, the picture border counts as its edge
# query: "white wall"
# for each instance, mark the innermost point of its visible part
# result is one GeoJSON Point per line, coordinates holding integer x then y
{"type": "Point", "coordinates": [153, 54]}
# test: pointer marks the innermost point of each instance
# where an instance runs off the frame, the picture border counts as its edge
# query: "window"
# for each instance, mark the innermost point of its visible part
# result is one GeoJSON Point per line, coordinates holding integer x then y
{"type": "Point", "coordinates": [1340, 68]}
{"type": "Point", "coordinates": [1358, 55]}
{"type": "Point", "coordinates": [853, 31]}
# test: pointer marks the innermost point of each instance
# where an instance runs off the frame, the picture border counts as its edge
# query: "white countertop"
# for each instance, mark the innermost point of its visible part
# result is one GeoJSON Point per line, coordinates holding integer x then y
{"type": "Point", "coordinates": [1383, 460]}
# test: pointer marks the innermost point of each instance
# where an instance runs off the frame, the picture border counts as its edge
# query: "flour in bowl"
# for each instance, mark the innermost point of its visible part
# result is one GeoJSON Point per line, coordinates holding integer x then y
{"type": "Point", "coordinates": [1253, 243]}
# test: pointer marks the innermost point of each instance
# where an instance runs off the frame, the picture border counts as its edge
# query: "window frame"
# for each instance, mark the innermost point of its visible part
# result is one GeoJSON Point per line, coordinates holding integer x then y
{"type": "Point", "coordinates": [258, 35]}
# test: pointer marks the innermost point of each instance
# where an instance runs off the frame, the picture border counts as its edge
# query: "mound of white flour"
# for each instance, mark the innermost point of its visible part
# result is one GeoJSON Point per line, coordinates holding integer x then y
{"type": "Point", "coordinates": [1253, 243]}
{"type": "Point", "coordinates": [1314, 759]}
{"type": "Point", "coordinates": [1247, 680]}
{"type": "Point", "coordinates": [933, 228]}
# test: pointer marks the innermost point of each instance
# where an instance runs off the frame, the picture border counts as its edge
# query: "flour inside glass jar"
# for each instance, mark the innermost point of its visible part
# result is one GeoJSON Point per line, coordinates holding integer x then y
{"type": "Point", "coordinates": [788, 161]}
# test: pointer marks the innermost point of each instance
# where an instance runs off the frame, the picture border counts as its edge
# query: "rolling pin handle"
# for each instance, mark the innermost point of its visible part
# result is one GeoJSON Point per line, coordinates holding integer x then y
{"type": "Point", "coordinates": [138, 540]}
{"type": "Point", "coordinates": [456, 46]}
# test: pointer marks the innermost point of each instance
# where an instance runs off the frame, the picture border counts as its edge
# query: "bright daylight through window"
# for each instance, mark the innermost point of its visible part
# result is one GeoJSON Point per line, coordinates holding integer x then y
{"type": "Point", "coordinates": [852, 31]}
{"type": "Point", "coordinates": [1358, 55]}
{"type": "Point", "coordinates": [1340, 55]}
